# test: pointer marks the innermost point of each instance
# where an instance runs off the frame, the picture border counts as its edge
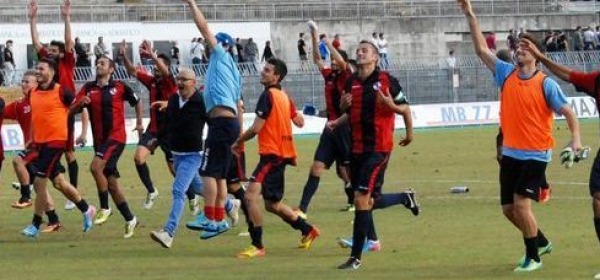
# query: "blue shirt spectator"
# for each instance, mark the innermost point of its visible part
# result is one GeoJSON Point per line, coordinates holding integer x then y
{"type": "Point", "coordinates": [223, 82]}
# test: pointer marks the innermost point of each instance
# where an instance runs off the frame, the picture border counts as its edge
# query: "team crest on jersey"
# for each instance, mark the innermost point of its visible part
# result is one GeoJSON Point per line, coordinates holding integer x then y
{"type": "Point", "coordinates": [113, 91]}
{"type": "Point", "coordinates": [27, 109]}
{"type": "Point", "coordinates": [377, 86]}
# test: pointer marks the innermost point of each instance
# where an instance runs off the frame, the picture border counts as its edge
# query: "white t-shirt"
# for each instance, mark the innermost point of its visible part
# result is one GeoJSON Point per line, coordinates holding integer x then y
{"type": "Point", "coordinates": [382, 44]}
{"type": "Point", "coordinates": [588, 36]}
{"type": "Point", "coordinates": [196, 50]}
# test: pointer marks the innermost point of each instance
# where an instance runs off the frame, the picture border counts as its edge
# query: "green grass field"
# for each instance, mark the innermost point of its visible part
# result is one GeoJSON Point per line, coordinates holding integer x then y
{"type": "Point", "coordinates": [457, 236]}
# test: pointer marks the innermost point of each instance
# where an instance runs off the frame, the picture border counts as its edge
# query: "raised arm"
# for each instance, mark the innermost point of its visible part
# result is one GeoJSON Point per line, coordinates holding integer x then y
{"type": "Point", "coordinates": [336, 56]}
{"type": "Point", "coordinates": [35, 37]}
{"type": "Point", "coordinates": [559, 70]}
{"type": "Point", "coordinates": [488, 58]}
{"type": "Point", "coordinates": [315, 45]}
{"type": "Point", "coordinates": [160, 65]}
{"type": "Point", "coordinates": [201, 23]}
{"type": "Point", "coordinates": [66, 13]}
{"type": "Point", "coordinates": [128, 64]}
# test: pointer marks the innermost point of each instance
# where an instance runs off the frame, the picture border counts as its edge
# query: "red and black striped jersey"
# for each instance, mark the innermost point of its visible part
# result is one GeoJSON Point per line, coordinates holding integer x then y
{"type": "Point", "coordinates": [371, 122]}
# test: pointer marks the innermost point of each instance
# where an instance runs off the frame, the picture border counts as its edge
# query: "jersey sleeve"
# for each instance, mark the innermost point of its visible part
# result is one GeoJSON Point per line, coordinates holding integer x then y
{"type": "Point", "coordinates": [293, 109]}
{"type": "Point", "coordinates": [555, 97]}
{"type": "Point", "coordinates": [396, 91]}
{"type": "Point", "coordinates": [503, 70]}
{"type": "Point", "coordinates": [144, 78]}
{"type": "Point", "coordinates": [264, 105]}
{"type": "Point", "coordinates": [10, 111]}
{"type": "Point", "coordinates": [586, 82]}
{"type": "Point", "coordinates": [130, 96]}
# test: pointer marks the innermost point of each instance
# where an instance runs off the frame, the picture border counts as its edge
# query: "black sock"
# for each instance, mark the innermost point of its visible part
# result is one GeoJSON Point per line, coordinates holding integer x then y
{"type": "Point", "coordinates": [25, 192]}
{"type": "Point", "coordinates": [542, 240]}
{"type": "Point", "coordinates": [361, 227]}
{"type": "Point", "coordinates": [531, 248]}
{"type": "Point", "coordinates": [190, 193]}
{"type": "Point", "coordinates": [52, 217]}
{"type": "Point", "coordinates": [125, 212]}
{"type": "Point", "coordinates": [240, 194]}
{"type": "Point", "coordinates": [82, 205]}
{"type": "Point", "coordinates": [103, 196]}
{"type": "Point", "coordinates": [301, 225]}
{"type": "Point", "coordinates": [597, 227]}
{"type": "Point", "coordinates": [144, 174]}
{"type": "Point", "coordinates": [389, 199]}
{"type": "Point", "coordinates": [349, 193]}
{"type": "Point", "coordinates": [371, 234]}
{"type": "Point", "coordinates": [309, 190]}
{"type": "Point", "coordinates": [73, 173]}
{"type": "Point", "coordinates": [256, 236]}
{"type": "Point", "coordinates": [37, 221]}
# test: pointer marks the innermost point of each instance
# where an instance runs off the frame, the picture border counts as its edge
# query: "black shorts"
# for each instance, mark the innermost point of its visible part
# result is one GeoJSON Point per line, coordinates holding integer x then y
{"type": "Point", "coordinates": [595, 175]}
{"type": "Point", "coordinates": [523, 177]}
{"type": "Point", "coordinates": [222, 132]}
{"type": "Point", "coordinates": [151, 141]}
{"type": "Point", "coordinates": [334, 146]}
{"type": "Point", "coordinates": [29, 154]}
{"type": "Point", "coordinates": [71, 137]}
{"type": "Point", "coordinates": [270, 173]}
{"type": "Point", "coordinates": [47, 163]}
{"type": "Point", "coordinates": [110, 152]}
{"type": "Point", "coordinates": [367, 171]}
{"type": "Point", "coordinates": [237, 169]}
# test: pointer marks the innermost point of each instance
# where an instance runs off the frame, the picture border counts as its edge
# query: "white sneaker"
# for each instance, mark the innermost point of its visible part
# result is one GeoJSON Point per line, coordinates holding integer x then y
{"type": "Point", "coordinates": [69, 205]}
{"type": "Point", "coordinates": [150, 197]}
{"type": "Point", "coordinates": [233, 213]}
{"type": "Point", "coordinates": [130, 228]}
{"type": "Point", "coordinates": [162, 237]}
{"type": "Point", "coordinates": [195, 205]}
{"type": "Point", "coordinates": [597, 276]}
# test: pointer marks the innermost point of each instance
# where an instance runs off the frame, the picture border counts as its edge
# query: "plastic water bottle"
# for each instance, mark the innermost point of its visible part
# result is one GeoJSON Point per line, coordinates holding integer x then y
{"type": "Point", "coordinates": [459, 189]}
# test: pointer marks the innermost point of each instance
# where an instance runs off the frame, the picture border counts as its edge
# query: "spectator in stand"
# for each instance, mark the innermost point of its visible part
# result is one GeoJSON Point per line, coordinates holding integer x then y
{"type": "Point", "coordinates": [490, 40]}
{"type": "Point", "coordinates": [100, 48]}
{"type": "Point", "coordinates": [577, 39]}
{"type": "Point", "coordinates": [267, 52]}
{"type": "Point", "coordinates": [197, 55]}
{"type": "Point", "coordinates": [562, 42]}
{"type": "Point", "coordinates": [175, 54]}
{"type": "Point", "coordinates": [382, 44]}
{"type": "Point", "coordinates": [251, 52]}
{"type": "Point", "coordinates": [337, 44]}
{"type": "Point", "coordinates": [552, 42]}
{"type": "Point", "coordinates": [240, 50]}
{"type": "Point", "coordinates": [82, 61]}
{"type": "Point", "coordinates": [302, 53]}
{"type": "Point", "coordinates": [9, 63]}
{"type": "Point", "coordinates": [511, 40]}
{"type": "Point", "coordinates": [323, 50]}
{"type": "Point", "coordinates": [598, 37]}
{"type": "Point", "coordinates": [589, 39]}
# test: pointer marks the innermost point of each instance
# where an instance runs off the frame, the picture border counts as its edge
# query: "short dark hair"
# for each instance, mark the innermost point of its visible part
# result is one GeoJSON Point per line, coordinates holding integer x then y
{"type": "Point", "coordinates": [531, 38]}
{"type": "Point", "coordinates": [280, 67]}
{"type": "Point", "coordinates": [321, 36]}
{"type": "Point", "coordinates": [111, 62]}
{"type": "Point", "coordinates": [9, 42]}
{"type": "Point", "coordinates": [374, 34]}
{"type": "Point", "coordinates": [60, 45]}
{"type": "Point", "coordinates": [301, 34]}
{"type": "Point", "coordinates": [370, 43]}
{"type": "Point", "coordinates": [344, 55]}
{"type": "Point", "coordinates": [504, 55]}
{"type": "Point", "coordinates": [50, 61]}
{"type": "Point", "coordinates": [380, 34]}
{"type": "Point", "coordinates": [166, 59]}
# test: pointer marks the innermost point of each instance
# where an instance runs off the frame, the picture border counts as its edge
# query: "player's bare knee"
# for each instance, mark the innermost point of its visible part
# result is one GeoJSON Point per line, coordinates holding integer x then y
{"type": "Point", "coordinates": [317, 169]}
{"type": "Point", "coordinates": [271, 206]}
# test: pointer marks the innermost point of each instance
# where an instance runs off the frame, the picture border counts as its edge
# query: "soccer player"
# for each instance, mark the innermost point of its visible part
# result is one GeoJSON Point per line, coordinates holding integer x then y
{"type": "Point", "coordinates": [528, 102]}
{"type": "Point", "coordinates": [161, 86]}
{"type": "Point", "coordinates": [546, 188]}
{"type": "Point", "coordinates": [20, 110]}
{"type": "Point", "coordinates": [275, 112]}
{"type": "Point", "coordinates": [222, 94]}
{"type": "Point", "coordinates": [371, 99]}
{"type": "Point", "coordinates": [65, 59]}
{"type": "Point", "coordinates": [104, 99]}
{"type": "Point", "coordinates": [333, 145]}
{"type": "Point", "coordinates": [49, 112]}
{"type": "Point", "coordinates": [590, 84]}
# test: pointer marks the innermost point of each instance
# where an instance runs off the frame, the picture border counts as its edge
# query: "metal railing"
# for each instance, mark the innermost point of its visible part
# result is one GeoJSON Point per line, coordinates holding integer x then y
{"type": "Point", "coordinates": [291, 11]}
{"type": "Point", "coordinates": [425, 80]}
